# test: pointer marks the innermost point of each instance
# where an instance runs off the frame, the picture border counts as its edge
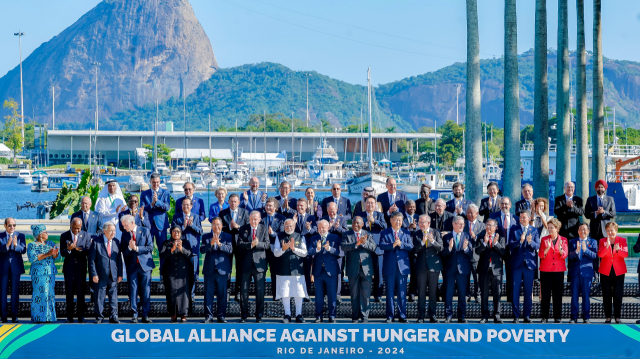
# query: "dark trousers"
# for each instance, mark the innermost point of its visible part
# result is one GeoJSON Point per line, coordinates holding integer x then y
{"type": "Point", "coordinates": [508, 272]}
{"type": "Point", "coordinates": [103, 289]}
{"type": "Point", "coordinates": [273, 266]}
{"type": "Point", "coordinates": [139, 284]}
{"type": "Point", "coordinates": [75, 285]}
{"type": "Point", "coordinates": [425, 279]}
{"type": "Point", "coordinates": [326, 285]}
{"type": "Point", "coordinates": [490, 280]}
{"type": "Point", "coordinates": [158, 236]}
{"type": "Point", "coordinates": [195, 261]}
{"type": "Point", "coordinates": [413, 277]}
{"type": "Point", "coordinates": [551, 285]}
{"type": "Point", "coordinates": [522, 276]}
{"type": "Point", "coordinates": [377, 276]}
{"type": "Point", "coordinates": [258, 278]}
{"type": "Point", "coordinates": [360, 288]}
{"type": "Point", "coordinates": [612, 290]}
{"type": "Point", "coordinates": [396, 283]}
{"type": "Point", "coordinates": [215, 285]}
{"type": "Point", "coordinates": [455, 280]}
{"type": "Point", "coordinates": [308, 263]}
{"type": "Point", "coordinates": [580, 287]}
{"type": "Point", "coordinates": [474, 290]}
{"type": "Point", "coordinates": [15, 297]}
{"type": "Point", "coordinates": [237, 255]}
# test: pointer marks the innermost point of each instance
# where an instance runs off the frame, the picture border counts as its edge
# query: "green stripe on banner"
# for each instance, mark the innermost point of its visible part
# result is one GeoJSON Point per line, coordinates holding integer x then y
{"type": "Point", "coordinates": [628, 331]}
{"type": "Point", "coordinates": [14, 334]}
{"type": "Point", "coordinates": [28, 338]}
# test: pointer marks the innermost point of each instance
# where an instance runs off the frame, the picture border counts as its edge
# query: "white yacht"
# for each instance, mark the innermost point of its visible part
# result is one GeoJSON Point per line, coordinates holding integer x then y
{"type": "Point", "coordinates": [325, 163]}
{"type": "Point", "coordinates": [136, 184]}
{"type": "Point", "coordinates": [162, 168]}
{"type": "Point", "coordinates": [24, 177]}
{"type": "Point", "coordinates": [222, 168]}
{"type": "Point", "coordinates": [201, 167]}
{"type": "Point", "coordinates": [358, 182]}
{"type": "Point", "coordinates": [177, 180]}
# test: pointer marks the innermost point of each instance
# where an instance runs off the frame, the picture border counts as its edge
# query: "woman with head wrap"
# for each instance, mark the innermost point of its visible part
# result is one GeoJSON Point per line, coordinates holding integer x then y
{"type": "Point", "coordinates": [42, 255]}
{"type": "Point", "coordinates": [110, 203]}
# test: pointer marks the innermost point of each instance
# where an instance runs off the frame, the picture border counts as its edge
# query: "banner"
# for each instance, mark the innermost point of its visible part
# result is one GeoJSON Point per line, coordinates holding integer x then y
{"type": "Point", "coordinates": [316, 340]}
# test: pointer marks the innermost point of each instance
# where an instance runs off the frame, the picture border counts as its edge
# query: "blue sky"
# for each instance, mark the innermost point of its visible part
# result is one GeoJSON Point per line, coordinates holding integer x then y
{"type": "Point", "coordinates": [341, 39]}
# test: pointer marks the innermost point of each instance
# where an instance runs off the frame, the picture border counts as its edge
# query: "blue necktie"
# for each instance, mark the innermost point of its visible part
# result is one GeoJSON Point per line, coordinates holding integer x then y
{"type": "Point", "coordinates": [457, 239]}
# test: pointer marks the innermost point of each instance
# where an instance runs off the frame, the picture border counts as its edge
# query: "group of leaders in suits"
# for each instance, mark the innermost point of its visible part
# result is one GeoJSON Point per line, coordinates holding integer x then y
{"type": "Point", "coordinates": [392, 241]}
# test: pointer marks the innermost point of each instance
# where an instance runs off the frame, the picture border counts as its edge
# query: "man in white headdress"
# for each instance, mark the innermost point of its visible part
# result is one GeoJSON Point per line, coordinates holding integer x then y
{"type": "Point", "coordinates": [111, 202]}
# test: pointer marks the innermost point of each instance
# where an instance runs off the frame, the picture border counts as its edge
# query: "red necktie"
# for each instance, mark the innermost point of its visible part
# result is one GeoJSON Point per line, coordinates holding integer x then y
{"type": "Point", "coordinates": [136, 243]}
{"type": "Point", "coordinates": [109, 247]}
{"type": "Point", "coordinates": [75, 239]}
{"type": "Point", "coordinates": [358, 237]}
{"type": "Point", "coordinates": [253, 235]}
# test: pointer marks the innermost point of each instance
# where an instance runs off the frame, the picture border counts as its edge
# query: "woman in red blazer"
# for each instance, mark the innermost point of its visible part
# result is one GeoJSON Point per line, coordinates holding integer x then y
{"type": "Point", "coordinates": [553, 253]}
{"type": "Point", "coordinates": [612, 252]}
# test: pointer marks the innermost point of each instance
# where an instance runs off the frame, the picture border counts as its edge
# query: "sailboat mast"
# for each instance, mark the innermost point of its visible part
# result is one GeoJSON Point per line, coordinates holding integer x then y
{"type": "Point", "coordinates": [293, 149]}
{"type": "Point", "coordinates": [266, 173]}
{"type": "Point", "coordinates": [155, 141]}
{"type": "Point", "coordinates": [184, 116]}
{"type": "Point", "coordinates": [370, 147]}
{"type": "Point", "coordinates": [361, 138]}
{"type": "Point", "coordinates": [237, 145]}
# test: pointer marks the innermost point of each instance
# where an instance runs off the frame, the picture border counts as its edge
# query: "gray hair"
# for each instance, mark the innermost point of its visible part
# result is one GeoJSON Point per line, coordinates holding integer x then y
{"type": "Point", "coordinates": [193, 186]}
{"type": "Point", "coordinates": [107, 225]}
{"type": "Point", "coordinates": [425, 216]}
{"type": "Point", "coordinates": [440, 200]}
{"type": "Point", "coordinates": [472, 207]}
{"type": "Point", "coordinates": [323, 221]}
{"type": "Point", "coordinates": [457, 219]}
{"type": "Point", "coordinates": [493, 221]}
{"type": "Point", "coordinates": [75, 220]}
{"type": "Point", "coordinates": [127, 219]}
{"type": "Point", "coordinates": [255, 212]}
{"type": "Point", "coordinates": [567, 183]}
{"type": "Point", "coordinates": [289, 220]}
{"type": "Point", "coordinates": [527, 185]}
{"type": "Point", "coordinates": [332, 204]}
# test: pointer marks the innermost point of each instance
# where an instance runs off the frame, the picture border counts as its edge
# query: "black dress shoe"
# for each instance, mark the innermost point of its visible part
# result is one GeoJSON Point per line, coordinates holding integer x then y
{"type": "Point", "coordinates": [557, 321]}
{"type": "Point", "coordinates": [637, 321]}
{"type": "Point", "coordinates": [207, 321]}
{"type": "Point", "coordinates": [237, 297]}
{"type": "Point", "coordinates": [377, 300]}
{"type": "Point", "coordinates": [403, 320]}
{"type": "Point", "coordinates": [80, 320]}
{"type": "Point", "coordinates": [4, 320]}
{"type": "Point", "coordinates": [433, 320]}
{"type": "Point", "coordinates": [99, 321]}
{"type": "Point", "coordinates": [258, 320]}
{"type": "Point", "coordinates": [221, 320]}
{"type": "Point", "coordinates": [527, 320]}
{"type": "Point", "coordinates": [332, 320]}
{"type": "Point", "coordinates": [354, 321]}
{"type": "Point", "coordinates": [318, 320]}
{"type": "Point", "coordinates": [306, 300]}
{"type": "Point", "coordinates": [618, 321]}
{"type": "Point", "coordinates": [114, 321]}
{"type": "Point", "coordinates": [299, 319]}
{"type": "Point", "coordinates": [572, 321]}
{"type": "Point", "coordinates": [412, 298]}
{"type": "Point", "coordinates": [586, 321]}
{"type": "Point", "coordinates": [477, 299]}
{"type": "Point", "coordinates": [516, 320]}
{"type": "Point", "coordinates": [15, 320]}
{"type": "Point", "coordinates": [134, 320]}
{"type": "Point", "coordinates": [146, 320]}
{"type": "Point", "coordinates": [497, 320]}
{"type": "Point", "coordinates": [448, 320]}
{"type": "Point", "coordinates": [286, 319]}
{"type": "Point", "coordinates": [420, 321]}
{"type": "Point", "coordinates": [243, 320]}
{"type": "Point", "coordinates": [544, 321]}
{"type": "Point", "coordinates": [462, 320]}
{"type": "Point", "coordinates": [607, 321]}
{"type": "Point", "coordinates": [388, 320]}
{"type": "Point", "coordinates": [483, 321]}
{"type": "Point", "coordinates": [68, 321]}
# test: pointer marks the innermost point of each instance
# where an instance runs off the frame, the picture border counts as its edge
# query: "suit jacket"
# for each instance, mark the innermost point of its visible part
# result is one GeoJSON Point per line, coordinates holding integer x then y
{"type": "Point", "coordinates": [379, 225]}
{"type": "Point", "coordinates": [427, 257]}
{"type": "Point", "coordinates": [288, 213]}
{"type": "Point", "coordinates": [140, 222]}
{"type": "Point", "coordinates": [523, 254]}
{"type": "Point", "coordinates": [198, 207]}
{"type": "Point", "coordinates": [609, 257]}
{"type": "Point", "coordinates": [457, 260]}
{"type": "Point", "coordinates": [505, 232]}
{"type": "Point", "coordinates": [406, 223]}
{"type": "Point", "coordinates": [485, 210]}
{"type": "Point", "coordinates": [597, 222]}
{"type": "Point", "coordinates": [360, 256]}
{"type": "Point", "coordinates": [568, 217]}
{"type": "Point", "coordinates": [521, 205]}
{"type": "Point", "coordinates": [490, 256]}
{"type": "Point", "coordinates": [143, 258]}
{"type": "Point", "coordinates": [277, 225]}
{"type": "Point", "coordinates": [75, 261]}
{"type": "Point", "coordinates": [192, 233]}
{"type": "Point", "coordinates": [342, 225]}
{"type": "Point", "coordinates": [554, 260]}
{"type": "Point", "coordinates": [256, 256]}
{"type": "Point", "coordinates": [442, 223]}
{"type": "Point", "coordinates": [451, 206]}
{"type": "Point", "coordinates": [395, 256]}
{"type": "Point", "coordinates": [241, 220]}
{"type": "Point", "coordinates": [253, 203]}
{"type": "Point", "coordinates": [216, 258]}
{"type": "Point", "coordinates": [11, 258]}
{"type": "Point", "coordinates": [158, 212]}
{"type": "Point", "coordinates": [582, 263]}
{"type": "Point", "coordinates": [100, 264]}
{"type": "Point", "coordinates": [427, 206]}
{"type": "Point", "coordinates": [302, 228]}
{"type": "Point", "coordinates": [323, 258]}
{"type": "Point", "coordinates": [93, 226]}
{"type": "Point", "coordinates": [360, 207]}
{"type": "Point", "coordinates": [344, 206]}
{"type": "Point", "coordinates": [383, 198]}
{"type": "Point", "coordinates": [478, 227]}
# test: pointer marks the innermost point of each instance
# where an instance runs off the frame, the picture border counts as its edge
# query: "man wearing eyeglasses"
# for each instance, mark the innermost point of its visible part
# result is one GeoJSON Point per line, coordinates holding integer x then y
{"type": "Point", "coordinates": [140, 216]}
{"type": "Point", "coordinates": [12, 247]}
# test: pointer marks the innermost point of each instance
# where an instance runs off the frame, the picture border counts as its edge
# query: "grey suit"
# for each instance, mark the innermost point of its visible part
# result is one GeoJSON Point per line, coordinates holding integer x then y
{"type": "Point", "coordinates": [428, 268]}
{"type": "Point", "coordinates": [490, 271]}
{"type": "Point", "coordinates": [478, 227]}
{"type": "Point", "coordinates": [359, 269]}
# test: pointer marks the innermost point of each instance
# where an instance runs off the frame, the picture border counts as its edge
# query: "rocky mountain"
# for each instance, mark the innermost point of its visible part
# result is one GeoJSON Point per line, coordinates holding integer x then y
{"type": "Point", "coordinates": [147, 49]}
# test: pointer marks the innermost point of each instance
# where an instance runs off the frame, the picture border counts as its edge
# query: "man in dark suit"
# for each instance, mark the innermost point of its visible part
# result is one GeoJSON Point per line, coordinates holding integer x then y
{"type": "Point", "coordinates": [426, 204]}
{"type": "Point", "coordinates": [490, 248]}
{"type": "Point", "coordinates": [105, 269]}
{"type": "Point", "coordinates": [253, 239]}
{"type": "Point", "coordinates": [360, 205]}
{"type": "Point", "coordinates": [286, 204]}
{"type": "Point", "coordinates": [458, 205]}
{"type": "Point", "coordinates": [456, 259]}
{"type": "Point", "coordinates": [136, 247]}
{"type": "Point", "coordinates": [274, 222]}
{"type": "Point", "coordinates": [442, 220]}
{"type": "Point", "coordinates": [397, 245]}
{"type": "Point", "coordinates": [599, 210]}
{"type": "Point", "coordinates": [375, 223]}
{"type": "Point", "coordinates": [337, 226]}
{"type": "Point", "coordinates": [524, 241]}
{"type": "Point", "coordinates": [74, 247]}
{"type": "Point", "coordinates": [582, 251]}
{"type": "Point", "coordinates": [253, 199]}
{"type": "Point", "coordinates": [233, 218]}
{"type": "Point", "coordinates": [216, 268]}
{"type": "Point", "coordinates": [427, 245]}
{"type": "Point", "coordinates": [568, 208]}
{"type": "Point", "coordinates": [157, 202]}
{"type": "Point", "coordinates": [12, 246]}
{"type": "Point", "coordinates": [490, 204]}
{"type": "Point", "coordinates": [360, 251]}
{"type": "Point", "coordinates": [473, 226]}
{"type": "Point", "coordinates": [197, 207]}
{"type": "Point", "coordinates": [91, 220]}
{"type": "Point", "coordinates": [392, 201]}
{"type": "Point", "coordinates": [307, 227]}
{"type": "Point", "coordinates": [344, 204]}
{"type": "Point", "coordinates": [191, 227]}
{"type": "Point", "coordinates": [325, 249]}
{"type": "Point", "coordinates": [410, 223]}
{"type": "Point", "coordinates": [505, 221]}
{"type": "Point", "coordinates": [139, 215]}
{"type": "Point", "coordinates": [527, 199]}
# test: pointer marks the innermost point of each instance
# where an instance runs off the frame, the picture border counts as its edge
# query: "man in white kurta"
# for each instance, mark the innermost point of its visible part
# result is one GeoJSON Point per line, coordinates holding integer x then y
{"type": "Point", "coordinates": [111, 202]}
{"type": "Point", "coordinates": [290, 249]}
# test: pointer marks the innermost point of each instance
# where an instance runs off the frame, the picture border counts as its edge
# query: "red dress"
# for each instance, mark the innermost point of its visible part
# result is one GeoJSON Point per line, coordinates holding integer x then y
{"type": "Point", "coordinates": [609, 257]}
{"type": "Point", "coordinates": [554, 261]}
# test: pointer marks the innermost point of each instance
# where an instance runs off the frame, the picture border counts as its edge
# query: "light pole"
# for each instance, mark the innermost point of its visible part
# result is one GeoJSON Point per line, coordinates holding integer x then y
{"type": "Point", "coordinates": [457, 103]}
{"type": "Point", "coordinates": [20, 34]}
{"type": "Point", "coordinates": [95, 138]}
{"type": "Point", "coordinates": [307, 76]}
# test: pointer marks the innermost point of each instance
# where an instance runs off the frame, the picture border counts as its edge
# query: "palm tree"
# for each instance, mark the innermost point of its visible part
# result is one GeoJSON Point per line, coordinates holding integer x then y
{"type": "Point", "coordinates": [473, 138]}
{"type": "Point", "coordinates": [563, 154]}
{"type": "Point", "coordinates": [597, 142]}
{"type": "Point", "coordinates": [582, 139]}
{"type": "Point", "coordinates": [511, 189]}
{"type": "Point", "coordinates": [540, 104]}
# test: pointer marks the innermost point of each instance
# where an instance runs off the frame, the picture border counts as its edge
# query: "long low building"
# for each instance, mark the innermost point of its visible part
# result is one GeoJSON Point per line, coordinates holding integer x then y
{"type": "Point", "coordinates": [120, 147]}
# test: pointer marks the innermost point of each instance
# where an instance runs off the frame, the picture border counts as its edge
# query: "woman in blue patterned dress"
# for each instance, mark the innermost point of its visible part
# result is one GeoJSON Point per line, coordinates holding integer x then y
{"type": "Point", "coordinates": [215, 208]}
{"type": "Point", "coordinates": [42, 255]}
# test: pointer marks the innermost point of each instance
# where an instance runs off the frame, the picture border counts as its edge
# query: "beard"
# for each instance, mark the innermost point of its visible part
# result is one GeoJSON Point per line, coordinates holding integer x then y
{"type": "Point", "coordinates": [458, 195]}
{"type": "Point", "coordinates": [600, 192]}
{"type": "Point", "coordinates": [289, 232]}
